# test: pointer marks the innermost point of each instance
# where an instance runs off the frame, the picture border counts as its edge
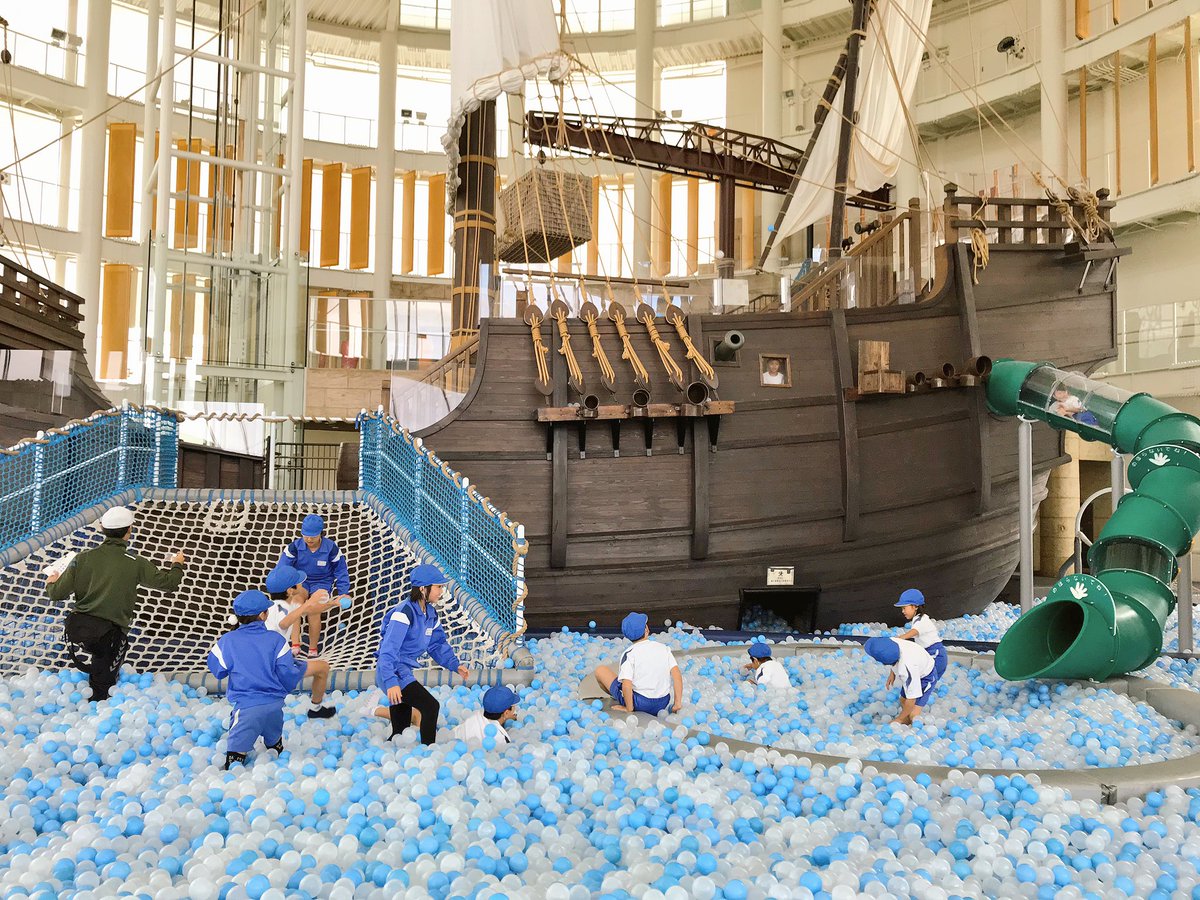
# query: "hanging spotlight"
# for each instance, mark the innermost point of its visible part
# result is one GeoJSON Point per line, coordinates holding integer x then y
{"type": "Point", "coordinates": [1012, 46]}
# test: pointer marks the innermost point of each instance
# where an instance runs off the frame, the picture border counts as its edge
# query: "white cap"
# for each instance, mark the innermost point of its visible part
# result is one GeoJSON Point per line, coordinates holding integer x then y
{"type": "Point", "coordinates": [117, 517]}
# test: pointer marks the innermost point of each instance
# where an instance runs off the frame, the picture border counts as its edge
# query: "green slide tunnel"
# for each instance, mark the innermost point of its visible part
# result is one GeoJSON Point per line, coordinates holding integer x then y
{"type": "Point", "coordinates": [1110, 622]}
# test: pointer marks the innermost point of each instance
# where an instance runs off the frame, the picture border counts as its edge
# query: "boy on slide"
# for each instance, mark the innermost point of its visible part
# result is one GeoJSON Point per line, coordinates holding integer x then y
{"type": "Point", "coordinates": [647, 673]}
{"type": "Point", "coordinates": [912, 667]}
{"type": "Point", "coordinates": [324, 567]}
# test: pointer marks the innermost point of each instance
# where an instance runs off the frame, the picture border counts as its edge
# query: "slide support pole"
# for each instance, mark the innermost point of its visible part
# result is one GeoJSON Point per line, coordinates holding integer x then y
{"type": "Point", "coordinates": [1025, 511]}
{"type": "Point", "coordinates": [1187, 642]}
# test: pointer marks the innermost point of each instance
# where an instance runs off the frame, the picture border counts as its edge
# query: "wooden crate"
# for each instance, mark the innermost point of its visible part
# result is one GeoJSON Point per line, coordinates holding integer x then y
{"type": "Point", "coordinates": [877, 382]}
{"type": "Point", "coordinates": [873, 356]}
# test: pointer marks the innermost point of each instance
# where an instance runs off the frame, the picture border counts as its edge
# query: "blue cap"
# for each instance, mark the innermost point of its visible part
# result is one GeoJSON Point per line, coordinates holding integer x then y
{"type": "Point", "coordinates": [759, 650]}
{"type": "Point", "coordinates": [426, 575]}
{"type": "Point", "coordinates": [280, 578]}
{"type": "Point", "coordinates": [884, 650]}
{"type": "Point", "coordinates": [313, 526]}
{"type": "Point", "coordinates": [911, 597]}
{"type": "Point", "coordinates": [498, 698]}
{"type": "Point", "coordinates": [633, 626]}
{"type": "Point", "coordinates": [251, 603]}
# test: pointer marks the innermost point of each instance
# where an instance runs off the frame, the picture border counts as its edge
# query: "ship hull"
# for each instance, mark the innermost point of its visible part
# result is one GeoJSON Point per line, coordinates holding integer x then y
{"type": "Point", "coordinates": [860, 498]}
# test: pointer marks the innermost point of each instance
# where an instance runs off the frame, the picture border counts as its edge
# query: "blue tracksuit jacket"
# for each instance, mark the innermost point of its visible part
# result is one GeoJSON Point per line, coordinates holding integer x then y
{"type": "Point", "coordinates": [325, 568]}
{"type": "Point", "coordinates": [258, 663]}
{"type": "Point", "coordinates": [407, 634]}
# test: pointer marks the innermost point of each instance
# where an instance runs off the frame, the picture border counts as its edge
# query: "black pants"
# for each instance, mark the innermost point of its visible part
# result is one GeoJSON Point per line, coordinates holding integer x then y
{"type": "Point", "coordinates": [415, 696]}
{"type": "Point", "coordinates": [98, 647]}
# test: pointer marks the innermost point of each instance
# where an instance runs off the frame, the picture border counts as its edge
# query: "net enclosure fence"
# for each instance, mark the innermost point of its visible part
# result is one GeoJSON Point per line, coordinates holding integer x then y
{"type": "Point", "coordinates": [233, 538]}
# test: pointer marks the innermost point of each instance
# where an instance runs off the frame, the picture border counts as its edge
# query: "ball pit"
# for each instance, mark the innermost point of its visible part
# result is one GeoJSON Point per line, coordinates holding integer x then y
{"type": "Point", "coordinates": [838, 705]}
{"type": "Point", "coordinates": [127, 799]}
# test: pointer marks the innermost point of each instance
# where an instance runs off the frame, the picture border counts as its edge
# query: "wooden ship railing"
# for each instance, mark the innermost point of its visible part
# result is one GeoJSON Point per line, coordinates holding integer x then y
{"type": "Point", "coordinates": [870, 271]}
{"type": "Point", "coordinates": [47, 313]}
{"type": "Point", "coordinates": [455, 370]}
{"type": "Point", "coordinates": [869, 275]}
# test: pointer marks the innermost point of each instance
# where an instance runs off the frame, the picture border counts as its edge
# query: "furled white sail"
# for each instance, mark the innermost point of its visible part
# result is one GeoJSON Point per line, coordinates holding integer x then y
{"type": "Point", "coordinates": [889, 64]}
{"type": "Point", "coordinates": [495, 47]}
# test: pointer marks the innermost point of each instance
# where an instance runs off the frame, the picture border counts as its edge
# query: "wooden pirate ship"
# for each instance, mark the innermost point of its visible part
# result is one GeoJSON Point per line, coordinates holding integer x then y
{"type": "Point", "coordinates": [835, 440]}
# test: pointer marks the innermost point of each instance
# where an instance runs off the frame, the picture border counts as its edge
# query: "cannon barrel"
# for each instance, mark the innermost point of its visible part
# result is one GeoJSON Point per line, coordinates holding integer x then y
{"type": "Point", "coordinates": [641, 398]}
{"type": "Point", "coordinates": [726, 351]}
{"type": "Point", "coordinates": [697, 393]}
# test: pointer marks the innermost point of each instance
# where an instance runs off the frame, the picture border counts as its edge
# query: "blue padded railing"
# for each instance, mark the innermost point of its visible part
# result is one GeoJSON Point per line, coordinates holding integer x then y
{"type": "Point", "coordinates": [475, 543]}
{"type": "Point", "coordinates": [50, 478]}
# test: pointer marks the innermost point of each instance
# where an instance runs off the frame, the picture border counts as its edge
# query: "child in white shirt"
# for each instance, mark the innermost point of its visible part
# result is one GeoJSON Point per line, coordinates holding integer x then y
{"type": "Point", "coordinates": [289, 604]}
{"type": "Point", "coordinates": [499, 706]}
{"type": "Point", "coordinates": [764, 670]}
{"type": "Point", "coordinates": [914, 670]}
{"type": "Point", "coordinates": [647, 674]}
{"type": "Point", "coordinates": [924, 631]}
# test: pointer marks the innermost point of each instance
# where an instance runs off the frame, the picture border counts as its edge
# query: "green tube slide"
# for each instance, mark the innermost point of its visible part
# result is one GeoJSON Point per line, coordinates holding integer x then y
{"type": "Point", "coordinates": [1110, 622]}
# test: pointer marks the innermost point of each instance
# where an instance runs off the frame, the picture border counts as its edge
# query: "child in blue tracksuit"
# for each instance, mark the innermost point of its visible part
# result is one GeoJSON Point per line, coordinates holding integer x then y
{"type": "Point", "coordinates": [261, 672]}
{"type": "Point", "coordinates": [923, 631]}
{"type": "Point", "coordinates": [323, 565]}
{"type": "Point", "coordinates": [409, 631]}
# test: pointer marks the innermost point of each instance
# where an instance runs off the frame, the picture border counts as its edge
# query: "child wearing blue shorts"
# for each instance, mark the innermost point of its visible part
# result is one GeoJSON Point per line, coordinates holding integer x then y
{"type": "Point", "coordinates": [924, 631]}
{"type": "Point", "coordinates": [261, 671]}
{"type": "Point", "coordinates": [912, 667]}
{"type": "Point", "coordinates": [647, 675]}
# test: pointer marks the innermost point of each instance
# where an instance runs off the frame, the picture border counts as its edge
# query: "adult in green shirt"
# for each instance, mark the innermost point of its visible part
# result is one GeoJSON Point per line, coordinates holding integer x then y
{"type": "Point", "coordinates": [104, 581]}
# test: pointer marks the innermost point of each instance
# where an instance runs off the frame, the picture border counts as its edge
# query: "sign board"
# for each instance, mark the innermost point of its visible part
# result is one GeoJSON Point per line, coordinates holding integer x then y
{"type": "Point", "coordinates": [781, 575]}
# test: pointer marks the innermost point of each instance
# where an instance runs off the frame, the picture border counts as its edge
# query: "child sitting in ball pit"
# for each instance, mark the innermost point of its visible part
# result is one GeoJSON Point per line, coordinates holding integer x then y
{"type": "Point", "coordinates": [647, 673]}
{"type": "Point", "coordinates": [290, 603]}
{"type": "Point", "coordinates": [764, 670]}
{"type": "Point", "coordinates": [261, 671]}
{"type": "Point", "coordinates": [499, 706]}
{"type": "Point", "coordinates": [915, 669]}
{"type": "Point", "coordinates": [924, 633]}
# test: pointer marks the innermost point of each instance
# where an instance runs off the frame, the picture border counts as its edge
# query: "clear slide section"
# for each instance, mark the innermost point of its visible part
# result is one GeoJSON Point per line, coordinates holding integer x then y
{"type": "Point", "coordinates": [1111, 621]}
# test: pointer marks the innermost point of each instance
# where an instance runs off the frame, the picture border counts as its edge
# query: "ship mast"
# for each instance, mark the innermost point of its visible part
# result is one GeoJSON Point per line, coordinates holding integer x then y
{"type": "Point", "coordinates": [474, 223]}
{"type": "Point", "coordinates": [845, 70]}
{"type": "Point", "coordinates": [854, 46]}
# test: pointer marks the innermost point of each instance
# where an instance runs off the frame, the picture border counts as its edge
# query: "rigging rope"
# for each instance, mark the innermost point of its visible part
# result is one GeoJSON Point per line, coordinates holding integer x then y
{"type": "Point", "coordinates": [979, 244]}
{"type": "Point", "coordinates": [675, 374]}
{"type": "Point", "coordinates": [675, 317]}
{"type": "Point", "coordinates": [560, 310]}
{"type": "Point", "coordinates": [616, 312]}
{"type": "Point", "coordinates": [540, 351]}
{"type": "Point", "coordinates": [590, 315]}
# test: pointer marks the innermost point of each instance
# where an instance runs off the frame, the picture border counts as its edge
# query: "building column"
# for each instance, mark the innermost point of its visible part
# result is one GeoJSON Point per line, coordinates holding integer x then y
{"type": "Point", "coordinates": [645, 21]}
{"type": "Point", "coordinates": [385, 169]}
{"type": "Point", "coordinates": [772, 111]}
{"type": "Point", "coordinates": [1054, 120]}
{"type": "Point", "coordinates": [1058, 510]}
{"type": "Point", "coordinates": [91, 174]}
{"type": "Point", "coordinates": [67, 144]}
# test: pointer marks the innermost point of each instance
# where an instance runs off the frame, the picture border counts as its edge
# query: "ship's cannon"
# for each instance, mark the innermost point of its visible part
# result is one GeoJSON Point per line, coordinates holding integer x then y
{"type": "Point", "coordinates": [726, 351]}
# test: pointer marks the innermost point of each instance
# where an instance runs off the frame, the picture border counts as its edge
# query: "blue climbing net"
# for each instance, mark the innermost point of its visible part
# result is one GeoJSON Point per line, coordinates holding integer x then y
{"type": "Point", "coordinates": [49, 479]}
{"type": "Point", "coordinates": [473, 541]}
